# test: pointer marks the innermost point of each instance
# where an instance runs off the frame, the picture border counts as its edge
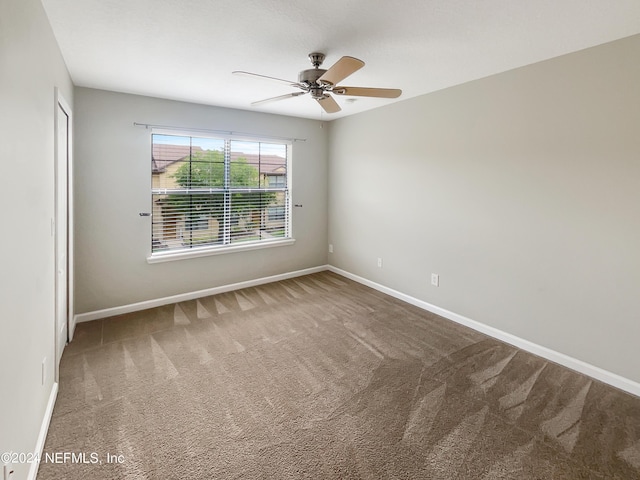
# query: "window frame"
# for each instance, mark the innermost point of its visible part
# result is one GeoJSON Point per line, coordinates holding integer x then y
{"type": "Point", "coordinates": [217, 249]}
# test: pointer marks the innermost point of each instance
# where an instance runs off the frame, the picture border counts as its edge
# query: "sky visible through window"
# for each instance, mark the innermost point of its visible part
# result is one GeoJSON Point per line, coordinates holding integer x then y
{"type": "Point", "coordinates": [250, 147]}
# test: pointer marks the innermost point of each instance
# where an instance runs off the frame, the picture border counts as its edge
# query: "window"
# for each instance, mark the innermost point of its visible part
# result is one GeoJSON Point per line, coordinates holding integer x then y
{"type": "Point", "coordinates": [276, 213]}
{"type": "Point", "coordinates": [276, 180]}
{"type": "Point", "coordinates": [210, 193]}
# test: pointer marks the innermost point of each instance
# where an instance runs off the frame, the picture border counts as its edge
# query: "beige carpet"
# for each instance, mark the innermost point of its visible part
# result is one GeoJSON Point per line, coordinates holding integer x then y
{"type": "Point", "coordinates": [320, 377]}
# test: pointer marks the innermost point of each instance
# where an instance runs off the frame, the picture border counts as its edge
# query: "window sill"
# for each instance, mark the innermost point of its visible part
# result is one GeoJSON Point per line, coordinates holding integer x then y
{"type": "Point", "coordinates": [209, 251]}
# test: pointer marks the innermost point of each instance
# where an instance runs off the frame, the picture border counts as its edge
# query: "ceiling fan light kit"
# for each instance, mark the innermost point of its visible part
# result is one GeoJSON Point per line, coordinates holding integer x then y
{"type": "Point", "coordinates": [320, 83]}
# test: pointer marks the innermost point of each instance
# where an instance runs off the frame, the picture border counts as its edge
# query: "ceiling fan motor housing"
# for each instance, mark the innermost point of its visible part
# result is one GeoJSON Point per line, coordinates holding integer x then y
{"type": "Point", "coordinates": [311, 76]}
{"type": "Point", "coordinates": [310, 79]}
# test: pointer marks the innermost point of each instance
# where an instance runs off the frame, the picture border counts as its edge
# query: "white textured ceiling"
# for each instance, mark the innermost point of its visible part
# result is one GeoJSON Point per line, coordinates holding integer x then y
{"type": "Point", "coordinates": [187, 49]}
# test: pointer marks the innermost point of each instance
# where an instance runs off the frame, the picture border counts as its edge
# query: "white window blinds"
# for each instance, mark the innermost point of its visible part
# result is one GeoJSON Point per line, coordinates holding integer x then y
{"type": "Point", "coordinates": [213, 192]}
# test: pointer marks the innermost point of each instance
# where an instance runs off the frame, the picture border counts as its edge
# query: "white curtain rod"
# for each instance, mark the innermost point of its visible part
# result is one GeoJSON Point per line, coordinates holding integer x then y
{"type": "Point", "coordinates": [220, 132]}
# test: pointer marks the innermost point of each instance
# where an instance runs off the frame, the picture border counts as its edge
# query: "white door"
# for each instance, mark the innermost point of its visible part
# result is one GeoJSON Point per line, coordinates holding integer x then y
{"type": "Point", "coordinates": [62, 230]}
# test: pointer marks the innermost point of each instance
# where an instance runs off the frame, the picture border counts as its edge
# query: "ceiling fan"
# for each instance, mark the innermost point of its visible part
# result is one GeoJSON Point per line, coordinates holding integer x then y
{"type": "Point", "coordinates": [320, 83]}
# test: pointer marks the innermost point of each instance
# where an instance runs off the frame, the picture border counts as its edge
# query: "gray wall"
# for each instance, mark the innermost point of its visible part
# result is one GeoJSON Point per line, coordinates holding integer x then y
{"type": "Point", "coordinates": [30, 67]}
{"type": "Point", "coordinates": [112, 185]}
{"type": "Point", "coordinates": [522, 190]}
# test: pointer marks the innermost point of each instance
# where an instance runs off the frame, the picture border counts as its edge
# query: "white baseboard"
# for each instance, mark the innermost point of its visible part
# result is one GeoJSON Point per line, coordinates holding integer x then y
{"type": "Point", "coordinates": [158, 302]}
{"type": "Point", "coordinates": [574, 364]}
{"type": "Point", "coordinates": [44, 428]}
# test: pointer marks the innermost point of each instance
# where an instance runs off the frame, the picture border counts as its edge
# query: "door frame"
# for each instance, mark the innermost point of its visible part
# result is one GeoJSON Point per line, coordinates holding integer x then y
{"type": "Point", "coordinates": [63, 167]}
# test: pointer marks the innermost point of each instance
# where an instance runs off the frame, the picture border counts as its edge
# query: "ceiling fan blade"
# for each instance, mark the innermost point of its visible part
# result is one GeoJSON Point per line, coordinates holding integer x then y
{"type": "Point", "coordinates": [328, 104]}
{"type": "Point", "coordinates": [368, 92]}
{"type": "Point", "coordinates": [341, 70]}
{"type": "Point", "coordinates": [279, 97]}
{"type": "Point", "coordinates": [249, 74]}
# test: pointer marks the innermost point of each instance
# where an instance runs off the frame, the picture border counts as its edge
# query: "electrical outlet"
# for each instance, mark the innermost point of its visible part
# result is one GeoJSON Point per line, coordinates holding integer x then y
{"type": "Point", "coordinates": [331, 248]}
{"type": "Point", "coordinates": [379, 263]}
{"type": "Point", "coordinates": [435, 279]}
